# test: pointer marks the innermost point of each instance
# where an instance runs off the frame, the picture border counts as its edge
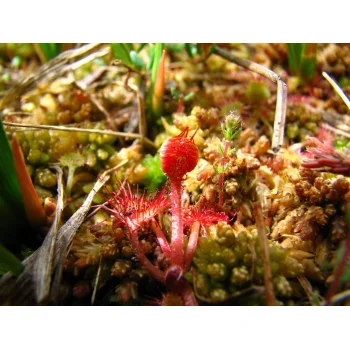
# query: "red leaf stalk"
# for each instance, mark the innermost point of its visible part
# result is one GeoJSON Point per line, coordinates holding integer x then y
{"type": "Point", "coordinates": [163, 243]}
{"type": "Point", "coordinates": [203, 214]}
{"type": "Point", "coordinates": [338, 272]}
{"type": "Point", "coordinates": [154, 271]}
{"type": "Point", "coordinates": [177, 226]}
{"type": "Point", "coordinates": [192, 244]}
{"type": "Point", "coordinates": [222, 173]}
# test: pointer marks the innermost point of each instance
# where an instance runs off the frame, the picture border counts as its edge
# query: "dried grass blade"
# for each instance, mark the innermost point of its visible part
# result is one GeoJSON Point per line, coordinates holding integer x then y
{"type": "Point", "coordinates": [337, 89]}
{"type": "Point", "coordinates": [307, 288]}
{"type": "Point", "coordinates": [53, 68]}
{"type": "Point", "coordinates": [96, 281]}
{"type": "Point", "coordinates": [18, 291]}
{"type": "Point", "coordinates": [43, 265]}
{"type": "Point", "coordinates": [67, 232]}
{"type": "Point", "coordinates": [21, 291]}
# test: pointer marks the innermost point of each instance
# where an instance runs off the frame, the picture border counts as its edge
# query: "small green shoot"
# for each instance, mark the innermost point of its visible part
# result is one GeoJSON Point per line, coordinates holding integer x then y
{"type": "Point", "coordinates": [231, 128]}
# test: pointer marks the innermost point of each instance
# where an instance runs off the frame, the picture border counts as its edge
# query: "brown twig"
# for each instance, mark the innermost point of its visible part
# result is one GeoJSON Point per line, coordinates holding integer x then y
{"type": "Point", "coordinates": [262, 233]}
{"type": "Point", "coordinates": [254, 258]}
{"type": "Point", "coordinates": [281, 104]}
{"type": "Point", "coordinates": [140, 107]}
{"type": "Point", "coordinates": [100, 107]}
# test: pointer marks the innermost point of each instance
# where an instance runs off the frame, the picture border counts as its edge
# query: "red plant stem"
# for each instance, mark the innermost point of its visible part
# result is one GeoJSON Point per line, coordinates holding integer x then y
{"type": "Point", "coordinates": [221, 178]}
{"type": "Point", "coordinates": [181, 106]}
{"type": "Point", "coordinates": [177, 235]}
{"type": "Point", "coordinates": [338, 272]}
{"type": "Point", "coordinates": [188, 296]}
{"type": "Point", "coordinates": [134, 241]}
{"type": "Point", "coordinates": [163, 243]}
{"type": "Point", "coordinates": [192, 244]}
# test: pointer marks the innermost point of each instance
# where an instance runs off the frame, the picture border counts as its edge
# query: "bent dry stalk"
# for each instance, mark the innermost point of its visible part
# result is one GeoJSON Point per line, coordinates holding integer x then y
{"type": "Point", "coordinates": [282, 90]}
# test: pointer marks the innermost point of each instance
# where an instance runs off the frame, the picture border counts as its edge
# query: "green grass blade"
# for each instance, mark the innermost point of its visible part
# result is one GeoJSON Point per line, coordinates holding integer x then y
{"type": "Point", "coordinates": [156, 54]}
{"type": "Point", "coordinates": [50, 50]}
{"type": "Point", "coordinates": [191, 49]}
{"type": "Point", "coordinates": [141, 47]}
{"type": "Point", "coordinates": [295, 53]}
{"type": "Point", "coordinates": [9, 262]}
{"type": "Point", "coordinates": [13, 220]}
{"type": "Point", "coordinates": [308, 64]}
{"type": "Point", "coordinates": [158, 50]}
{"type": "Point", "coordinates": [9, 187]}
{"type": "Point", "coordinates": [302, 60]}
{"type": "Point", "coordinates": [129, 46]}
{"type": "Point", "coordinates": [151, 56]}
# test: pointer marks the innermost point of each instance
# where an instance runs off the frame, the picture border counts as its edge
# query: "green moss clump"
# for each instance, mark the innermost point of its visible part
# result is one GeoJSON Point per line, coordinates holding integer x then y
{"type": "Point", "coordinates": [229, 262]}
{"type": "Point", "coordinates": [154, 178]}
